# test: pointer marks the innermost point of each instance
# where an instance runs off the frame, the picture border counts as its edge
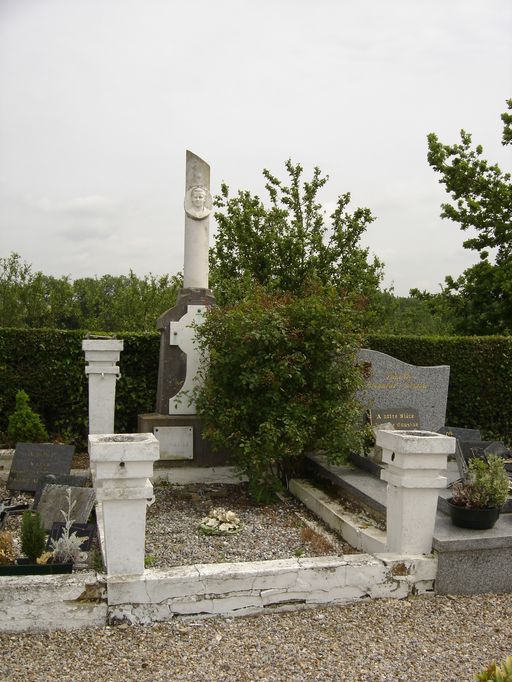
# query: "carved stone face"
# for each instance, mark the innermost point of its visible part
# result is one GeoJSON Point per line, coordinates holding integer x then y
{"type": "Point", "coordinates": [198, 202]}
{"type": "Point", "coordinates": [198, 197]}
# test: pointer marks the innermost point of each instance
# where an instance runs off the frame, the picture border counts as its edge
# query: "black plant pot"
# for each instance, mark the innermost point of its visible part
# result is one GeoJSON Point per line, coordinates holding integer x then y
{"type": "Point", "coordinates": [24, 567]}
{"type": "Point", "coordinates": [477, 519]}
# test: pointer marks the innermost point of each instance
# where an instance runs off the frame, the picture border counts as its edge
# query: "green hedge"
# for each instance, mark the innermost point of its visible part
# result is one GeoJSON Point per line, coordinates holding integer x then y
{"type": "Point", "coordinates": [50, 366]}
{"type": "Point", "coordinates": [480, 392]}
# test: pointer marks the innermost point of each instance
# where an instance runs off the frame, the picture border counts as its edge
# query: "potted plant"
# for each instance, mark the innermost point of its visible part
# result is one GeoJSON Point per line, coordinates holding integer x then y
{"type": "Point", "coordinates": [477, 500]}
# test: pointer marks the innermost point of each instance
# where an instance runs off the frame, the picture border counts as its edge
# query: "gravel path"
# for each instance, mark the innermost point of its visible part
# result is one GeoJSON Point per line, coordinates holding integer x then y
{"type": "Point", "coordinates": [418, 640]}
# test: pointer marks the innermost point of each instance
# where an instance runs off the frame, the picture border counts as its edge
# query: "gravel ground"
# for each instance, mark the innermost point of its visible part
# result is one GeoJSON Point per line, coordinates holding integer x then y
{"type": "Point", "coordinates": [278, 531]}
{"type": "Point", "coordinates": [419, 640]}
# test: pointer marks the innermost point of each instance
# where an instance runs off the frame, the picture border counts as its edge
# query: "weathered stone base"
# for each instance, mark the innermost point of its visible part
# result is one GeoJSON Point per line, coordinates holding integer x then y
{"type": "Point", "coordinates": [44, 603]}
{"type": "Point", "coordinates": [204, 455]}
{"type": "Point", "coordinates": [40, 603]}
{"type": "Point", "coordinates": [242, 589]}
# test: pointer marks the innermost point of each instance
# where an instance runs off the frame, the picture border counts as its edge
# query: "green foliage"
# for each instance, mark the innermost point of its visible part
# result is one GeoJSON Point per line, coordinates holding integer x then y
{"type": "Point", "coordinates": [33, 536]}
{"type": "Point", "coordinates": [497, 673]}
{"type": "Point", "coordinates": [481, 298]}
{"type": "Point", "coordinates": [108, 303]}
{"type": "Point", "coordinates": [486, 485]}
{"type": "Point", "coordinates": [50, 366]}
{"type": "Point", "coordinates": [480, 391]}
{"type": "Point", "coordinates": [409, 316]}
{"type": "Point", "coordinates": [25, 426]}
{"type": "Point", "coordinates": [289, 244]}
{"type": "Point", "coordinates": [280, 381]}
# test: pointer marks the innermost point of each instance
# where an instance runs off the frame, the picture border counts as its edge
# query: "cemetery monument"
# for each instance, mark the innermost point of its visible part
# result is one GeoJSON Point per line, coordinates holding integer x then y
{"type": "Point", "coordinates": [175, 422]}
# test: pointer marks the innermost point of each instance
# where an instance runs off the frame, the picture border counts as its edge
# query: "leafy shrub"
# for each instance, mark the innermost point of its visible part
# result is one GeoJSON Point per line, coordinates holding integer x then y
{"type": "Point", "coordinates": [33, 535]}
{"type": "Point", "coordinates": [280, 381]}
{"type": "Point", "coordinates": [497, 673]}
{"type": "Point", "coordinates": [25, 426]}
{"type": "Point", "coordinates": [486, 486]}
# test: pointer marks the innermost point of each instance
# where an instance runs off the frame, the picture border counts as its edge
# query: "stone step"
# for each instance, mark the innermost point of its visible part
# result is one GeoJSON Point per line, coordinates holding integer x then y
{"type": "Point", "coordinates": [469, 561]}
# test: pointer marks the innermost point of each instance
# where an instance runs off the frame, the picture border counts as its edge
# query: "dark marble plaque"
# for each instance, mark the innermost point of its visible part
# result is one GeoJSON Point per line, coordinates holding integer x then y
{"type": "Point", "coordinates": [74, 481]}
{"type": "Point", "coordinates": [33, 460]}
{"type": "Point", "coordinates": [86, 531]}
{"type": "Point", "coordinates": [402, 418]}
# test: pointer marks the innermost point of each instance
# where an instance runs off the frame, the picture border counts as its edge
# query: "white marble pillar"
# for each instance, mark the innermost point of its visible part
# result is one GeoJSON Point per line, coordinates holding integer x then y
{"type": "Point", "coordinates": [416, 461]}
{"type": "Point", "coordinates": [102, 356]}
{"type": "Point", "coordinates": [198, 206]}
{"type": "Point", "coordinates": [122, 465]}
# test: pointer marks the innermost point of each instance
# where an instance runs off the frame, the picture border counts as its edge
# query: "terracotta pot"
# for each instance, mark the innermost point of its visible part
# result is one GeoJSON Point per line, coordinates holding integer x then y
{"type": "Point", "coordinates": [470, 517]}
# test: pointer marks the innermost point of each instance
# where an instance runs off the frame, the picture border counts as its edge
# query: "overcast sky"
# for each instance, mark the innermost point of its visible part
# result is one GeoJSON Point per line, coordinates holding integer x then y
{"type": "Point", "coordinates": [99, 99]}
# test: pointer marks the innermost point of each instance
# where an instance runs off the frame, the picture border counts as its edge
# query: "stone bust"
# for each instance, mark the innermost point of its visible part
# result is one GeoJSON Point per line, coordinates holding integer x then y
{"type": "Point", "coordinates": [198, 202]}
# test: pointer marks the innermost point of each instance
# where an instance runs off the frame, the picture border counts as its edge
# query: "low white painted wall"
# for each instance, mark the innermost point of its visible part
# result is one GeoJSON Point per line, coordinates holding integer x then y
{"type": "Point", "coordinates": [42, 603]}
{"type": "Point", "coordinates": [252, 587]}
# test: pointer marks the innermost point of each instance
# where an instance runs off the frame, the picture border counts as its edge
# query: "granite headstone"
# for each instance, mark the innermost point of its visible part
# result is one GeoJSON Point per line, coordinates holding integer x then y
{"type": "Point", "coordinates": [69, 480]}
{"type": "Point", "coordinates": [391, 384]}
{"type": "Point", "coordinates": [33, 460]}
{"type": "Point", "coordinates": [54, 500]}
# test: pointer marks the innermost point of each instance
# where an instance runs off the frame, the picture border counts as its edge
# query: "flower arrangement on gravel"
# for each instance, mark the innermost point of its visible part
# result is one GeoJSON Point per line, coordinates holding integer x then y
{"type": "Point", "coordinates": [220, 522]}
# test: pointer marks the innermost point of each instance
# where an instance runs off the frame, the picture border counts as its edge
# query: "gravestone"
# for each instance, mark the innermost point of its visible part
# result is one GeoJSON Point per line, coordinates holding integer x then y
{"type": "Point", "coordinates": [391, 384]}
{"type": "Point", "coordinates": [69, 480]}
{"type": "Point", "coordinates": [175, 421]}
{"type": "Point", "coordinates": [54, 500]}
{"type": "Point", "coordinates": [460, 433]}
{"type": "Point", "coordinates": [33, 460]}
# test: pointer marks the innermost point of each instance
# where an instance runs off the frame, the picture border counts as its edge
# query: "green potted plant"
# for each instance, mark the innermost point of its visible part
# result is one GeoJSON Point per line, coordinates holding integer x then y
{"type": "Point", "coordinates": [477, 500]}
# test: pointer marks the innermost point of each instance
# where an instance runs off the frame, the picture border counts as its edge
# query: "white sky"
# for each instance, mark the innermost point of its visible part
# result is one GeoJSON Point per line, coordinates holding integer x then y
{"type": "Point", "coordinates": [99, 99]}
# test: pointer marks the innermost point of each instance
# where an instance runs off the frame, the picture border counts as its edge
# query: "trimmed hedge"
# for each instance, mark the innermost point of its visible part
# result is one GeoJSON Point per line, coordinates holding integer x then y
{"type": "Point", "coordinates": [50, 366]}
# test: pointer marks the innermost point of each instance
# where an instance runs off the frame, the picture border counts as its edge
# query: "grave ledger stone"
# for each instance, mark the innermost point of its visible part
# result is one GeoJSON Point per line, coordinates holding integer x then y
{"type": "Point", "coordinates": [33, 460]}
{"type": "Point", "coordinates": [392, 384]}
{"type": "Point", "coordinates": [175, 422]}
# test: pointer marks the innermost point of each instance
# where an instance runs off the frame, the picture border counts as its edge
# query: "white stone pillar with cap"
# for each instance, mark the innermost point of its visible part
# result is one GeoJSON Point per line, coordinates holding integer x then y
{"type": "Point", "coordinates": [122, 466]}
{"type": "Point", "coordinates": [102, 355]}
{"type": "Point", "coordinates": [416, 462]}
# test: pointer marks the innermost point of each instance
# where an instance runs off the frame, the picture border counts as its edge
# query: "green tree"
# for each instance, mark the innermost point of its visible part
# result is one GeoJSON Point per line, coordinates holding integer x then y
{"type": "Point", "coordinates": [481, 298]}
{"type": "Point", "coordinates": [280, 380]}
{"type": "Point", "coordinates": [290, 243]}
{"type": "Point", "coordinates": [108, 303]}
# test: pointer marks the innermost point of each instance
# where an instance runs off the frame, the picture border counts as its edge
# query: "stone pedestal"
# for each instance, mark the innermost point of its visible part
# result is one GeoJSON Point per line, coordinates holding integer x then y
{"type": "Point", "coordinates": [416, 461]}
{"type": "Point", "coordinates": [181, 440]}
{"type": "Point", "coordinates": [121, 467]}
{"type": "Point", "coordinates": [172, 365]}
{"type": "Point", "coordinates": [102, 356]}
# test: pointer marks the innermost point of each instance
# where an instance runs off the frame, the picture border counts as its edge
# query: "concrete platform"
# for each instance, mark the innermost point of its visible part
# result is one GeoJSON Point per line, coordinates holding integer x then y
{"type": "Point", "coordinates": [469, 561]}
